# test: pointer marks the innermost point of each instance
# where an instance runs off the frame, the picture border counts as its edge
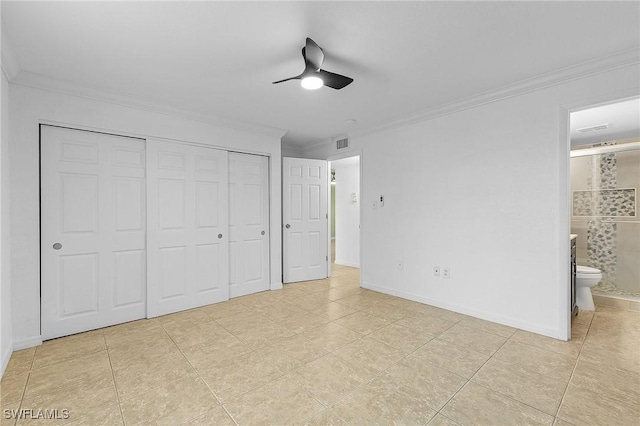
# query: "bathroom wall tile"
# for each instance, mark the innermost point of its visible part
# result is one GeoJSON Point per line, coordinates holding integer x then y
{"type": "Point", "coordinates": [582, 406]}
{"type": "Point", "coordinates": [452, 357]}
{"type": "Point", "coordinates": [475, 404]}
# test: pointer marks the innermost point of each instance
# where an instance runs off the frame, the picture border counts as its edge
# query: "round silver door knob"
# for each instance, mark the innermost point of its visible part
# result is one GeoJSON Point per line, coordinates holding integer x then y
{"type": "Point", "coordinates": [219, 236]}
{"type": "Point", "coordinates": [57, 246]}
{"type": "Point", "coordinates": [287, 226]}
{"type": "Point", "coordinates": [262, 233]}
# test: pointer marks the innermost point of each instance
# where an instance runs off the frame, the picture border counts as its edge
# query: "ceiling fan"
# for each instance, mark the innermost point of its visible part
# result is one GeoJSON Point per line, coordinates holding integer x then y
{"type": "Point", "coordinates": [313, 77]}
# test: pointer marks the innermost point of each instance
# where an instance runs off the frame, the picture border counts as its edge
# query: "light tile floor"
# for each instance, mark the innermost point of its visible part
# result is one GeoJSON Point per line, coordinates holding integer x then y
{"type": "Point", "coordinates": [329, 352]}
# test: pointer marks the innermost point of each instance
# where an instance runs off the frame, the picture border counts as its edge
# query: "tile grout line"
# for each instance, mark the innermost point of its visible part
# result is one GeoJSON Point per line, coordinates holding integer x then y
{"type": "Point", "coordinates": [113, 376]}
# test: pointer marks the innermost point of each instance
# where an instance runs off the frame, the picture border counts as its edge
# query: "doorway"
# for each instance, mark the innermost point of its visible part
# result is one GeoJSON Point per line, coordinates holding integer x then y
{"type": "Point", "coordinates": [345, 213]}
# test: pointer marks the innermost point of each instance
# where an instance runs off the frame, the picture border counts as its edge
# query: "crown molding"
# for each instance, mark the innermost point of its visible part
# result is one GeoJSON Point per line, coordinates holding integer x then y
{"type": "Point", "coordinates": [42, 82]}
{"type": "Point", "coordinates": [10, 65]}
{"type": "Point", "coordinates": [600, 65]}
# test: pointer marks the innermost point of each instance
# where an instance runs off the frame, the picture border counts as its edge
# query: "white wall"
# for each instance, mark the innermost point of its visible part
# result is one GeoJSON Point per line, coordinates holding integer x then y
{"type": "Point", "coordinates": [6, 341]}
{"type": "Point", "coordinates": [30, 107]}
{"type": "Point", "coordinates": [483, 191]}
{"type": "Point", "coordinates": [347, 212]}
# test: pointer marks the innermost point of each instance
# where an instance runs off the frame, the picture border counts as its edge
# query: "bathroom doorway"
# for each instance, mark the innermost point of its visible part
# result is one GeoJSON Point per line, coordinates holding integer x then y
{"type": "Point", "coordinates": [345, 213]}
{"type": "Point", "coordinates": [603, 197]}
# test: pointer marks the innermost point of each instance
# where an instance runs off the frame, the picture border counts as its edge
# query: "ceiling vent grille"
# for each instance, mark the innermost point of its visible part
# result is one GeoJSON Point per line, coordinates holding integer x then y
{"type": "Point", "coordinates": [342, 143]}
{"type": "Point", "coordinates": [592, 128]}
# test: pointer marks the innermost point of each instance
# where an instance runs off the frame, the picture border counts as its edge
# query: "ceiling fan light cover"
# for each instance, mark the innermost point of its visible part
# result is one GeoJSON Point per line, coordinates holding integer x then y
{"type": "Point", "coordinates": [312, 83]}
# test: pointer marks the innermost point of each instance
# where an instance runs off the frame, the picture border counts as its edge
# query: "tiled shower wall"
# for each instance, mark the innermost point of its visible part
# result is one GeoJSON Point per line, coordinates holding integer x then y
{"type": "Point", "coordinates": [605, 217]}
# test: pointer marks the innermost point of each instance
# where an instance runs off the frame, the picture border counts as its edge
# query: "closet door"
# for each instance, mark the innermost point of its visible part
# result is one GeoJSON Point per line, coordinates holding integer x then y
{"type": "Point", "coordinates": [188, 252]}
{"type": "Point", "coordinates": [248, 224]}
{"type": "Point", "coordinates": [92, 230]}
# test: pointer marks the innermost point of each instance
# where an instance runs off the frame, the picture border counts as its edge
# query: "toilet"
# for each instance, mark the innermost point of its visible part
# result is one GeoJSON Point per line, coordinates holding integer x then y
{"type": "Point", "coordinates": [586, 277]}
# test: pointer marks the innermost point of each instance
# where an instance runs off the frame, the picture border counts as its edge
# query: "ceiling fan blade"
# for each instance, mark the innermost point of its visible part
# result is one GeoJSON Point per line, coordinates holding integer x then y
{"type": "Point", "coordinates": [313, 54]}
{"type": "Point", "coordinates": [298, 77]}
{"type": "Point", "coordinates": [335, 81]}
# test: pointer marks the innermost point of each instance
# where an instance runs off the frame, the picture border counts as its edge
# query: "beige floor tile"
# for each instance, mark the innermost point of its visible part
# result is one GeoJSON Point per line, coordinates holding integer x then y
{"type": "Point", "coordinates": [84, 372]}
{"type": "Point", "coordinates": [571, 348]}
{"type": "Point", "coordinates": [20, 361]}
{"type": "Point", "coordinates": [264, 334]}
{"type": "Point", "coordinates": [259, 300]}
{"type": "Point", "coordinates": [442, 313]}
{"type": "Point", "coordinates": [370, 355]}
{"type": "Point", "coordinates": [536, 361]}
{"type": "Point", "coordinates": [216, 352]}
{"type": "Point", "coordinates": [231, 380]}
{"type": "Point", "coordinates": [241, 321]}
{"type": "Point", "coordinates": [281, 310]}
{"type": "Point", "coordinates": [440, 420]}
{"type": "Point", "coordinates": [106, 416]}
{"type": "Point", "coordinates": [291, 353]}
{"type": "Point", "coordinates": [380, 403]}
{"type": "Point", "coordinates": [356, 301]}
{"type": "Point", "coordinates": [488, 326]}
{"type": "Point", "coordinates": [623, 358]}
{"type": "Point", "coordinates": [185, 335]}
{"type": "Point", "coordinates": [543, 392]}
{"type": "Point", "coordinates": [133, 332]}
{"type": "Point", "coordinates": [135, 352]}
{"type": "Point", "coordinates": [225, 309]}
{"type": "Point", "coordinates": [326, 418]}
{"type": "Point", "coordinates": [477, 405]}
{"type": "Point", "coordinates": [362, 322]}
{"type": "Point", "coordinates": [310, 302]}
{"type": "Point", "coordinates": [149, 374]}
{"type": "Point", "coordinates": [559, 422]}
{"type": "Point", "coordinates": [64, 348]}
{"type": "Point", "coordinates": [337, 293]}
{"type": "Point", "coordinates": [583, 317]}
{"type": "Point", "coordinates": [299, 323]}
{"type": "Point", "coordinates": [9, 412]}
{"type": "Point", "coordinates": [386, 311]}
{"type": "Point", "coordinates": [424, 323]}
{"type": "Point", "coordinates": [278, 403]}
{"type": "Point", "coordinates": [331, 336]}
{"type": "Point", "coordinates": [171, 404]}
{"type": "Point", "coordinates": [217, 416]}
{"type": "Point", "coordinates": [473, 339]}
{"type": "Point", "coordinates": [12, 387]}
{"type": "Point", "coordinates": [191, 316]}
{"type": "Point", "coordinates": [96, 415]}
{"type": "Point", "coordinates": [329, 378]}
{"type": "Point", "coordinates": [426, 383]}
{"type": "Point", "coordinates": [332, 311]}
{"type": "Point", "coordinates": [582, 406]}
{"type": "Point", "coordinates": [451, 357]}
{"type": "Point", "coordinates": [401, 338]}
{"type": "Point", "coordinates": [610, 382]}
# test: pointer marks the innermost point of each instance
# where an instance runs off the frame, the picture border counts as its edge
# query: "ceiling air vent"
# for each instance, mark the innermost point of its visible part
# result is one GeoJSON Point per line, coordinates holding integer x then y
{"type": "Point", "coordinates": [342, 143]}
{"type": "Point", "coordinates": [592, 128]}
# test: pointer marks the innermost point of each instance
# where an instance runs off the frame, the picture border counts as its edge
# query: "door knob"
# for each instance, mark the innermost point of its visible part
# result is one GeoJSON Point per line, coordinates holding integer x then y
{"type": "Point", "coordinates": [262, 233]}
{"type": "Point", "coordinates": [287, 226]}
{"type": "Point", "coordinates": [57, 246]}
{"type": "Point", "coordinates": [219, 236]}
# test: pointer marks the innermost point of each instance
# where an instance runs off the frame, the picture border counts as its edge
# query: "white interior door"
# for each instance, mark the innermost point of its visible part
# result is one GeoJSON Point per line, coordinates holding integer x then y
{"type": "Point", "coordinates": [188, 252]}
{"type": "Point", "coordinates": [248, 224]}
{"type": "Point", "coordinates": [92, 230]}
{"type": "Point", "coordinates": [305, 218]}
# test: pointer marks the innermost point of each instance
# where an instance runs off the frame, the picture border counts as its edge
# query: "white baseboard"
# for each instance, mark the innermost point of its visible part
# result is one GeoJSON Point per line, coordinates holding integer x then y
{"type": "Point", "coordinates": [351, 264]}
{"type": "Point", "coordinates": [276, 286]}
{"type": "Point", "coordinates": [4, 361]}
{"type": "Point", "coordinates": [500, 319]}
{"type": "Point", "coordinates": [27, 343]}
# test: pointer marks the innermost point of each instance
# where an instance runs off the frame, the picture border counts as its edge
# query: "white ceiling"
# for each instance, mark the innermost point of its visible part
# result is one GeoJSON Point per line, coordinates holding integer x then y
{"type": "Point", "coordinates": [219, 58]}
{"type": "Point", "coordinates": [622, 120]}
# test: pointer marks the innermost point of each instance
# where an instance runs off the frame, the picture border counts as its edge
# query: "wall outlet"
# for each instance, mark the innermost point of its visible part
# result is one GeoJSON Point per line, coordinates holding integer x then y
{"type": "Point", "coordinates": [446, 272]}
{"type": "Point", "coordinates": [436, 271]}
{"type": "Point", "coordinates": [400, 265]}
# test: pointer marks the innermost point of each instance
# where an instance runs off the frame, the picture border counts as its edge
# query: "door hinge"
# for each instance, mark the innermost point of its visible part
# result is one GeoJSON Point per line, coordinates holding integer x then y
{"type": "Point", "coordinates": [326, 258]}
{"type": "Point", "coordinates": [326, 215]}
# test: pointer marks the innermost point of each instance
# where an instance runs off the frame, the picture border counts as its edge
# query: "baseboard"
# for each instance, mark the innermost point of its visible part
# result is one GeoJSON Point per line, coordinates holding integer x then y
{"type": "Point", "coordinates": [27, 343]}
{"type": "Point", "coordinates": [500, 319]}
{"type": "Point", "coordinates": [351, 264]}
{"type": "Point", "coordinates": [4, 361]}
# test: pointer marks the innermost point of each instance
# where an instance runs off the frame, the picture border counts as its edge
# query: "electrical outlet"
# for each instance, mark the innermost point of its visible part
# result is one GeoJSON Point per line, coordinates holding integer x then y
{"type": "Point", "coordinates": [436, 271]}
{"type": "Point", "coordinates": [400, 265]}
{"type": "Point", "coordinates": [446, 272]}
